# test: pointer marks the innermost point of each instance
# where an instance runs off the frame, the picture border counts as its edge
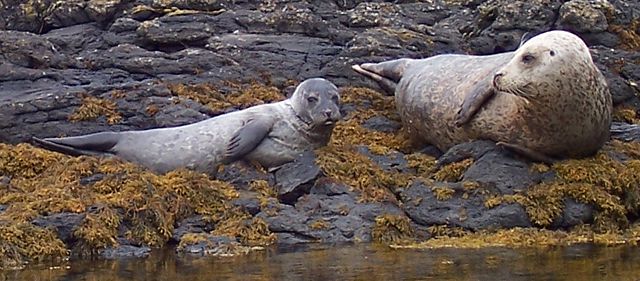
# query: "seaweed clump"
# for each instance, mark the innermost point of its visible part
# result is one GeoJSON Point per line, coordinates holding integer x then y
{"type": "Point", "coordinates": [341, 160]}
{"type": "Point", "coordinates": [93, 107]}
{"type": "Point", "coordinates": [209, 245]}
{"type": "Point", "coordinates": [626, 114]}
{"type": "Point", "coordinates": [528, 237]}
{"type": "Point", "coordinates": [369, 104]}
{"type": "Point", "coordinates": [22, 242]}
{"type": "Point", "coordinates": [610, 185]}
{"type": "Point", "coordinates": [119, 200]}
{"type": "Point", "coordinates": [629, 38]}
{"type": "Point", "coordinates": [392, 229]}
{"type": "Point", "coordinates": [239, 97]}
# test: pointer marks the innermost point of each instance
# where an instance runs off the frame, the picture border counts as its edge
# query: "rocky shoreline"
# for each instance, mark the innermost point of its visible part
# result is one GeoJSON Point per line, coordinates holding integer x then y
{"type": "Point", "coordinates": [77, 67]}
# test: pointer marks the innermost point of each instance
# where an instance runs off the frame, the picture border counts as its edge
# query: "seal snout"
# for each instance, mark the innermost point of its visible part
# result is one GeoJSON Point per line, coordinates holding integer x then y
{"type": "Point", "coordinates": [331, 117]}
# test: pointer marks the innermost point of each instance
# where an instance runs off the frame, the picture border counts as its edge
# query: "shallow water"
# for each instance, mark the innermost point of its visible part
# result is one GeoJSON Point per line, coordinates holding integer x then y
{"type": "Point", "coordinates": [358, 262]}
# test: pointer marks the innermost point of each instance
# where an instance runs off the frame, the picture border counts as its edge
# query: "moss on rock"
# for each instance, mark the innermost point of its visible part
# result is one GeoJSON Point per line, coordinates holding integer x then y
{"type": "Point", "coordinates": [392, 229]}
{"type": "Point", "coordinates": [609, 185]}
{"type": "Point", "coordinates": [115, 195]}
{"type": "Point", "coordinates": [529, 237]}
{"type": "Point", "coordinates": [22, 242]}
{"type": "Point", "coordinates": [93, 107]}
{"type": "Point", "coordinates": [240, 97]}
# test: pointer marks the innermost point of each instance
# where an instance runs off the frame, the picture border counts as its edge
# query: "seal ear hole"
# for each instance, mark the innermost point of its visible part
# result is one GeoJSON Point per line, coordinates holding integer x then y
{"type": "Point", "coordinates": [552, 53]}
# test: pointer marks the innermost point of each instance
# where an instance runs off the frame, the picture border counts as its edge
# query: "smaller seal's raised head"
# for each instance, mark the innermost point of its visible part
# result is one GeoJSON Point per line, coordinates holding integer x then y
{"type": "Point", "coordinates": [317, 102]}
{"type": "Point", "coordinates": [550, 58]}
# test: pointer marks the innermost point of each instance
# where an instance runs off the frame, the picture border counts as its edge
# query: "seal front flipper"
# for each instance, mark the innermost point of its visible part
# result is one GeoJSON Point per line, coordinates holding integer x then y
{"type": "Point", "coordinates": [92, 144]}
{"type": "Point", "coordinates": [473, 101]}
{"type": "Point", "coordinates": [247, 138]}
{"type": "Point", "coordinates": [531, 154]}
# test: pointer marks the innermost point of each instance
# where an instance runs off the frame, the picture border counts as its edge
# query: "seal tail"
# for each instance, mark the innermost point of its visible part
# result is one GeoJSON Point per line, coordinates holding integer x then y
{"type": "Point", "coordinates": [92, 144]}
{"type": "Point", "coordinates": [387, 73]}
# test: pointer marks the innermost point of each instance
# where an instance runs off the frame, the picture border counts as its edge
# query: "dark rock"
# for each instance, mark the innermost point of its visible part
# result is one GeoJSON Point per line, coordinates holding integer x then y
{"type": "Point", "coordinates": [193, 224]}
{"type": "Point", "coordinates": [125, 251]}
{"type": "Point", "coordinates": [431, 150]}
{"type": "Point", "coordinates": [497, 170]}
{"type": "Point", "coordinates": [472, 149]}
{"type": "Point", "coordinates": [382, 124]}
{"type": "Point", "coordinates": [469, 212]}
{"type": "Point", "coordinates": [625, 131]}
{"type": "Point", "coordinates": [214, 246]}
{"type": "Point", "coordinates": [248, 201]}
{"type": "Point", "coordinates": [329, 219]}
{"type": "Point", "coordinates": [392, 161]}
{"type": "Point", "coordinates": [328, 186]}
{"type": "Point", "coordinates": [63, 223]}
{"type": "Point", "coordinates": [574, 213]}
{"type": "Point", "coordinates": [294, 179]}
{"type": "Point", "coordinates": [241, 174]}
{"type": "Point", "coordinates": [585, 16]}
{"type": "Point", "coordinates": [183, 30]}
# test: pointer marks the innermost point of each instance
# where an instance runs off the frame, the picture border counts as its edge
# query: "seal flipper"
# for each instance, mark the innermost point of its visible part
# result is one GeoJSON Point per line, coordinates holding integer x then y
{"type": "Point", "coordinates": [92, 144]}
{"type": "Point", "coordinates": [247, 138]}
{"type": "Point", "coordinates": [387, 73]}
{"type": "Point", "coordinates": [531, 154]}
{"type": "Point", "coordinates": [473, 101]}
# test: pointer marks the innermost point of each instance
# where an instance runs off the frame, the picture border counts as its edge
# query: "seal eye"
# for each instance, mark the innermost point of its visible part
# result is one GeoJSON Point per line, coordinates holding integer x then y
{"type": "Point", "coordinates": [334, 99]}
{"type": "Point", "coordinates": [528, 58]}
{"type": "Point", "coordinates": [312, 99]}
{"type": "Point", "coordinates": [552, 53]}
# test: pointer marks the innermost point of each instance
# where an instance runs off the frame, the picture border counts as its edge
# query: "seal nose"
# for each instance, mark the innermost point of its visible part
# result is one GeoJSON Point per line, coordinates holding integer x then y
{"type": "Point", "coordinates": [327, 112]}
{"type": "Point", "coordinates": [496, 78]}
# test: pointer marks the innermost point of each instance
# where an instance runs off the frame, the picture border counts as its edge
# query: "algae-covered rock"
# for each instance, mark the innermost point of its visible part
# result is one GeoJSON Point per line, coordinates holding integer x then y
{"type": "Point", "coordinates": [211, 245]}
{"type": "Point", "coordinates": [585, 16]}
{"type": "Point", "coordinates": [89, 66]}
{"type": "Point", "coordinates": [24, 242]}
{"type": "Point", "coordinates": [126, 204]}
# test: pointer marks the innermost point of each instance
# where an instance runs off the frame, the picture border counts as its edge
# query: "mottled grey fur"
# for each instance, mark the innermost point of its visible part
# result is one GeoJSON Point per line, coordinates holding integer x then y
{"type": "Point", "coordinates": [545, 100]}
{"type": "Point", "coordinates": [270, 134]}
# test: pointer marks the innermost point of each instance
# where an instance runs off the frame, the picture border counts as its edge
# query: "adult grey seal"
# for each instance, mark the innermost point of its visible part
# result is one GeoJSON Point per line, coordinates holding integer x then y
{"type": "Point", "coordinates": [546, 100]}
{"type": "Point", "coordinates": [270, 134]}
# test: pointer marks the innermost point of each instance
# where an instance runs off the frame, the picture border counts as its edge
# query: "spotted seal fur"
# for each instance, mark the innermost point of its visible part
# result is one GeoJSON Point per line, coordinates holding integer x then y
{"type": "Point", "coordinates": [546, 100]}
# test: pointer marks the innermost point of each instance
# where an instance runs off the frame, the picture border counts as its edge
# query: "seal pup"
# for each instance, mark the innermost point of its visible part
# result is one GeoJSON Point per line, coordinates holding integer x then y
{"type": "Point", "coordinates": [270, 134]}
{"type": "Point", "coordinates": [546, 100]}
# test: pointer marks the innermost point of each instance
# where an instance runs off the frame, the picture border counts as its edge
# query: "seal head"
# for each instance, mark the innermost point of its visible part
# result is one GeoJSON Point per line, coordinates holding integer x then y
{"type": "Point", "coordinates": [316, 102]}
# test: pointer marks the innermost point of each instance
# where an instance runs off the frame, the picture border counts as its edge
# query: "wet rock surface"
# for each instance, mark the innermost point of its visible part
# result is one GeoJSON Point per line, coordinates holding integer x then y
{"type": "Point", "coordinates": [131, 54]}
{"type": "Point", "coordinates": [125, 251]}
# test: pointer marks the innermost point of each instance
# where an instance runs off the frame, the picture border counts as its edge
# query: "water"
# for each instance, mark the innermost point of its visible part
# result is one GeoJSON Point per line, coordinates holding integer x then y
{"type": "Point", "coordinates": [358, 262]}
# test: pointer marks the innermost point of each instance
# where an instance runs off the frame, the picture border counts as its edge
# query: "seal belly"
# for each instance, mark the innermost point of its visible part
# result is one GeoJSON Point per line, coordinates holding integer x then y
{"type": "Point", "coordinates": [196, 146]}
{"type": "Point", "coordinates": [432, 90]}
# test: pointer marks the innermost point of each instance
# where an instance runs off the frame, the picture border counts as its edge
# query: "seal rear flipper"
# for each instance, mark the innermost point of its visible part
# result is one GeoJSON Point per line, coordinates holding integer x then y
{"type": "Point", "coordinates": [247, 138]}
{"type": "Point", "coordinates": [92, 144]}
{"type": "Point", "coordinates": [526, 152]}
{"type": "Point", "coordinates": [387, 73]}
{"type": "Point", "coordinates": [473, 101]}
